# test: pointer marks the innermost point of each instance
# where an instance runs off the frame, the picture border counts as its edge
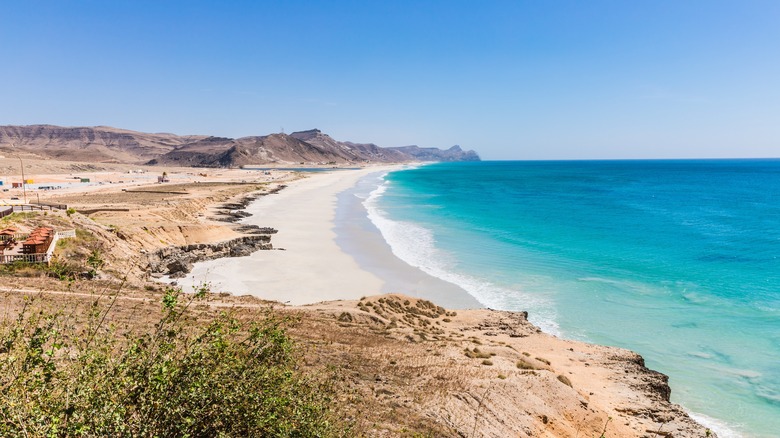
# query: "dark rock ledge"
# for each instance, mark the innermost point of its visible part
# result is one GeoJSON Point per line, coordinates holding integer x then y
{"type": "Point", "coordinates": [233, 211]}
{"type": "Point", "coordinates": [177, 261]}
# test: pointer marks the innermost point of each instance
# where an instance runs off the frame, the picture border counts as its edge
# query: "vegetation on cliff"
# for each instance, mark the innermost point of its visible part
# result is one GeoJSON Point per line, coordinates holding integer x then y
{"type": "Point", "coordinates": [69, 374]}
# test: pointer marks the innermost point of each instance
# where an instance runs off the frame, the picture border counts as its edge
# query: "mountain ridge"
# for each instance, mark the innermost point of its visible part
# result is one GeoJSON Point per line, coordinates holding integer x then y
{"type": "Point", "coordinates": [115, 145]}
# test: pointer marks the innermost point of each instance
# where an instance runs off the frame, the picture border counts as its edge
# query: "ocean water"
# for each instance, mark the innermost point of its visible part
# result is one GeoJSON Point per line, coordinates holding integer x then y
{"type": "Point", "coordinates": [677, 260]}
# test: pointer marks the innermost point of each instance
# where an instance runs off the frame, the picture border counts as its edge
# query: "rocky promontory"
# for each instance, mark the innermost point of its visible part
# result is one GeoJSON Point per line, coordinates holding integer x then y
{"type": "Point", "coordinates": [177, 261]}
{"type": "Point", "coordinates": [485, 373]}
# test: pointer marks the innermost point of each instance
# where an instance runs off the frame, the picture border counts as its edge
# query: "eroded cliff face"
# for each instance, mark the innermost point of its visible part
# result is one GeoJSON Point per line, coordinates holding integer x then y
{"type": "Point", "coordinates": [412, 365]}
{"type": "Point", "coordinates": [163, 231]}
{"type": "Point", "coordinates": [177, 261]}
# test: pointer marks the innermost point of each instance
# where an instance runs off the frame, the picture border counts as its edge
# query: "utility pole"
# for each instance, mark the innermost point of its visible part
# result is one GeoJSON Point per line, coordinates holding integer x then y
{"type": "Point", "coordinates": [24, 186]}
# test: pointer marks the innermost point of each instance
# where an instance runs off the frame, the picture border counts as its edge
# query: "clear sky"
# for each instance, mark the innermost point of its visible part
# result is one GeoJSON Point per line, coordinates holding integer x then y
{"type": "Point", "coordinates": [510, 79]}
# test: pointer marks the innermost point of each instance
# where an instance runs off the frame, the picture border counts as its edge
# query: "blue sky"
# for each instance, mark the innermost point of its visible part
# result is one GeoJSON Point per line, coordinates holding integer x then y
{"type": "Point", "coordinates": [511, 79]}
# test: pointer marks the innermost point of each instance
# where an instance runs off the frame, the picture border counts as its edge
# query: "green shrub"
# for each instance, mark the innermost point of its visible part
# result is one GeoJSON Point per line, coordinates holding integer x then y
{"type": "Point", "coordinates": [218, 378]}
{"type": "Point", "coordinates": [94, 262]}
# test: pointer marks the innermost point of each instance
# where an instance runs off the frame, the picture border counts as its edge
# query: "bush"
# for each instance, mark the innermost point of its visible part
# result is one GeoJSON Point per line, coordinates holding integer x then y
{"type": "Point", "coordinates": [565, 380]}
{"type": "Point", "coordinates": [94, 262]}
{"type": "Point", "coordinates": [476, 353]}
{"type": "Point", "coordinates": [222, 378]}
{"type": "Point", "coordinates": [525, 365]}
{"type": "Point", "coordinates": [79, 257]}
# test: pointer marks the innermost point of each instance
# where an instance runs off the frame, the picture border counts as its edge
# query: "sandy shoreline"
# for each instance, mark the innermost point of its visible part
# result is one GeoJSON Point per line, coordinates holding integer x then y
{"type": "Point", "coordinates": [326, 249]}
{"type": "Point", "coordinates": [357, 235]}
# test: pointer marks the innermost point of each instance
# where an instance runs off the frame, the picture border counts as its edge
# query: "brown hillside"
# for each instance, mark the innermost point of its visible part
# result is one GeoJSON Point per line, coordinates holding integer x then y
{"type": "Point", "coordinates": [97, 144]}
{"type": "Point", "coordinates": [111, 145]}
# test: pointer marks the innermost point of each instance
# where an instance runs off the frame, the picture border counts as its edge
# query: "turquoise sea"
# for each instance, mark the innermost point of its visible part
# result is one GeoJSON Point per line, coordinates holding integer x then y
{"type": "Point", "coordinates": [677, 260]}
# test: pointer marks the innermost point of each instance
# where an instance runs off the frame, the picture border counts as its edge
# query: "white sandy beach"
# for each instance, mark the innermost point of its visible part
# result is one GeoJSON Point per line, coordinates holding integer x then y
{"type": "Point", "coordinates": [314, 265]}
{"type": "Point", "coordinates": [311, 267]}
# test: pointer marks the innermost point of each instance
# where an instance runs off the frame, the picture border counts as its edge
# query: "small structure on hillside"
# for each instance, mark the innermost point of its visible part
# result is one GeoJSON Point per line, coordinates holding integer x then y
{"type": "Point", "coordinates": [8, 233]}
{"type": "Point", "coordinates": [35, 247]}
{"type": "Point", "coordinates": [38, 241]}
{"type": "Point", "coordinates": [7, 240]}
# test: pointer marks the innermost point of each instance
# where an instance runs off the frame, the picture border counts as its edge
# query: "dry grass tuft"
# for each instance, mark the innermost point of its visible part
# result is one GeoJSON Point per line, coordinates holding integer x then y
{"type": "Point", "coordinates": [542, 360]}
{"type": "Point", "coordinates": [475, 353]}
{"type": "Point", "coordinates": [525, 365]}
{"type": "Point", "coordinates": [565, 380]}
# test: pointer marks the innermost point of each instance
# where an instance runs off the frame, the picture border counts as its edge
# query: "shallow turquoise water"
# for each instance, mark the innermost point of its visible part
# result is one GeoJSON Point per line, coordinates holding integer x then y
{"type": "Point", "coordinates": [678, 260]}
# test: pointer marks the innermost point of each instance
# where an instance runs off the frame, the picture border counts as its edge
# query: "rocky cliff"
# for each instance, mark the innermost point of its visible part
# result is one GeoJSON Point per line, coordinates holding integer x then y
{"type": "Point", "coordinates": [177, 261]}
{"type": "Point", "coordinates": [412, 365]}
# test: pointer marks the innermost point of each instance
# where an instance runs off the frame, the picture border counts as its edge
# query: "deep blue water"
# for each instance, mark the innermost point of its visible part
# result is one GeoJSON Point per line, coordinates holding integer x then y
{"type": "Point", "coordinates": [677, 260]}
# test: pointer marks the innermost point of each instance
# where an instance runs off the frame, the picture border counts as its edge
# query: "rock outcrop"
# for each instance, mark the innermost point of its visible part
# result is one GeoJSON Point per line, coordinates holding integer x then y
{"type": "Point", "coordinates": [486, 373]}
{"type": "Point", "coordinates": [177, 261]}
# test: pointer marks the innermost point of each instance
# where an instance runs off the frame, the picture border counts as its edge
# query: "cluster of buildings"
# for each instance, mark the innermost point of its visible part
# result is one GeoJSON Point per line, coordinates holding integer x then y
{"type": "Point", "coordinates": [35, 246]}
{"type": "Point", "coordinates": [38, 241]}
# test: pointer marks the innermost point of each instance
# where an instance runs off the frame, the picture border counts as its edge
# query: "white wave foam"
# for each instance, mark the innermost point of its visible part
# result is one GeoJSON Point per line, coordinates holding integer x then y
{"type": "Point", "coordinates": [721, 428]}
{"type": "Point", "coordinates": [416, 246]}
